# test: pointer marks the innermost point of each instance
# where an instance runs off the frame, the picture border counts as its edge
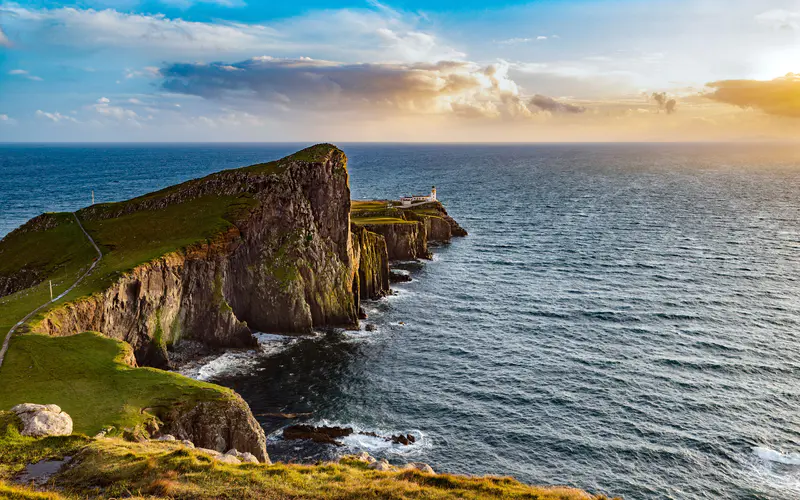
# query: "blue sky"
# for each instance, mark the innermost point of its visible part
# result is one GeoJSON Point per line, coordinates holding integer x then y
{"type": "Point", "coordinates": [406, 70]}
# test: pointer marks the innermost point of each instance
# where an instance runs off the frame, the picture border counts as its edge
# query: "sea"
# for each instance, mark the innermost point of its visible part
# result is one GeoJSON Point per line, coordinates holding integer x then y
{"type": "Point", "coordinates": [622, 318]}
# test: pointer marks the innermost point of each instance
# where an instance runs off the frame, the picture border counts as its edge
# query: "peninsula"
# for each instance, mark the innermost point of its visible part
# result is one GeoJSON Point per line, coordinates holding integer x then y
{"type": "Point", "coordinates": [94, 305]}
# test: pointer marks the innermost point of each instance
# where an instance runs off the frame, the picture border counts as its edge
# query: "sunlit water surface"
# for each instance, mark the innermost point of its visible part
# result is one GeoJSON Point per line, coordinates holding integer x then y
{"type": "Point", "coordinates": [622, 318]}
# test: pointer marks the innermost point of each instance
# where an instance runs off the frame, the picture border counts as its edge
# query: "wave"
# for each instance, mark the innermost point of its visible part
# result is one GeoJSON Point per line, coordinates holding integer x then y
{"type": "Point", "coordinates": [357, 442]}
{"type": "Point", "coordinates": [770, 455]}
{"type": "Point", "coordinates": [237, 361]}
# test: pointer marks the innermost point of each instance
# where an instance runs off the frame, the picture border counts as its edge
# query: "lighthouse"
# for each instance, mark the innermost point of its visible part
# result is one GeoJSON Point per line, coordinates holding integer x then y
{"type": "Point", "coordinates": [433, 194]}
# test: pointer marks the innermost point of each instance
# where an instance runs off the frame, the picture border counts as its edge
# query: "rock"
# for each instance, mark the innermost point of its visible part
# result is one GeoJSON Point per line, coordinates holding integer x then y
{"type": "Point", "coordinates": [135, 435]}
{"type": "Point", "coordinates": [219, 425]}
{"type": "Point", "coordinates": [43, 420]}
{"type": "Point", "coordinates": [400, 439]}
{"type": "Point", "coordinates": [228, 459]}
{"type": "Point", "coordinates": [366, 457]}
{"type": "Point", "coordinates": [243, 457]}
{"type": "Point", "coordinates": [397, 276]}
{"type": "Point", "coordinates": [322, 434]}
{"type": "Point", "coordinates": [362, 314]}
{"type": "Point", "coordinates": [166, 437]}
{"type": "Point", "coordinates": [420, 466]}
{"type": "Point", "coordinates": [103, 433]}
{"type": "Point", "coordinates": [382, 465]}
{"type": "Point", "coordinates": [370, 327]}
{"type": "Point", "coordinates": [411, 438]}
{"type": "Point", "coordinates": [187, 443]}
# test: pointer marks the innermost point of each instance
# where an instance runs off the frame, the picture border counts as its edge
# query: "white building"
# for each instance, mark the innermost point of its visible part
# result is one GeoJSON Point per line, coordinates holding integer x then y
{"type": "Point", "coordinates": [408, 200]}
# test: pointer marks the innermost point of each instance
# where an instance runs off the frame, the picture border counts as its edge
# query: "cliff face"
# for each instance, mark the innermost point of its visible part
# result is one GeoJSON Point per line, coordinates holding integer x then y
{"type": "Point", "coordinates": [404, 241]}
{"type": "Point", "coordinates": [155, 305]}
{"type": "Point", "coordinates": [218, 425]}
{"type": "Point", "coordinates": [372, 257]}
{"type": "Point", "coordinates": [286, 266]}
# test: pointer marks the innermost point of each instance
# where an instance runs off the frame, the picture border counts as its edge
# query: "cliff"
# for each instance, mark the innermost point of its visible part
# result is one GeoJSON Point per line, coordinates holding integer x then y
{"type": "Point", "coordinates": [262, 248]}
{"type": "Point", "coordinates": [407, 231]}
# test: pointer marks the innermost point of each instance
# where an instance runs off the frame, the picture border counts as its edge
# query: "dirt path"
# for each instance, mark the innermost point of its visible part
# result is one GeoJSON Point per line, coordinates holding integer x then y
{"type": "Point", "coordinates": [26, 318]}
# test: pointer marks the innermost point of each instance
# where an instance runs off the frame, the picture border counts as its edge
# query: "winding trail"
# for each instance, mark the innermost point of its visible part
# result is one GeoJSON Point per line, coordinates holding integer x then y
{"type": "Point", "coordinates": [30, 314]}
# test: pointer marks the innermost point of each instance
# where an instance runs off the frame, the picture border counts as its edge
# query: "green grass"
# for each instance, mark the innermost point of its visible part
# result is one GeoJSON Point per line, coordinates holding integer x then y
{"type": "Point", "coordinates": [84, 374]}
{"type": "Point", "coordinates": [61, 254]}
{"type": "Point", "coordinates": [113, 468]}
{"type": "Point", "coordinates": [368, 205]}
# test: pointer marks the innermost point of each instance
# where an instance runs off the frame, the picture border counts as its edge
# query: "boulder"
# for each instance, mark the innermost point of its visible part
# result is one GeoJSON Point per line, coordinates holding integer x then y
{"type": "Point", "coordinates": [420, 466]}
{"type": "Point", "coordinates": [366, 457]}
{"type": "Point", "coordinates": [43, 420]}
{"type": "Point", "coordinates": [228, 459]}
{"type": "Point", "coordinates": [382, 465]}
{"type": "Point", "coordinates": [371, 327]}
{"type": "Point", "coordinates": [187, 443]}
{"type": "Point", "coordinates": [166, 437]}
{"type": "Point", "coordinates": [245, 457]}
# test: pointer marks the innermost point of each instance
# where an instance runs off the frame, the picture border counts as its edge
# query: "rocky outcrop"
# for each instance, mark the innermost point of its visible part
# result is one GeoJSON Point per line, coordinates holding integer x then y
{"type": "Point", "coordinates": [219, 425]}
{"type": "Point", "coordinates": [404, 241]}
{"type": "Point", "coordinates": [43, 420]}
{"type": "Point", "coordinates": [287, 265]}
{"type": "Point", "coordinates": [407, 231]}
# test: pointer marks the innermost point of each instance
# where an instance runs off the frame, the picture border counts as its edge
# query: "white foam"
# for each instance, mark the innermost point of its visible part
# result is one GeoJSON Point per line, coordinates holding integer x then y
{"type": "Point", "coordinates": [769, 455]}
{"type": "Point", "coordinates": [355, 442]}
{"type": "Point", "coordinates": [227, 363]}
{"type": "Point", "coordinates": [236, 362]}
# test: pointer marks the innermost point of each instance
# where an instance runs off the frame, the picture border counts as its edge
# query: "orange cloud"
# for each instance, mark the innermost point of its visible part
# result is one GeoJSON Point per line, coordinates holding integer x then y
{"type": "Point", "coordinates": [780, 97]}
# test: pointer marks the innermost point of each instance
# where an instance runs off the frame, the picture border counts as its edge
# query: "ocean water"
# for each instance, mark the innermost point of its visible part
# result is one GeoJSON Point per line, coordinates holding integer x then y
{"type": "Point", "coordinates": [621, 318]}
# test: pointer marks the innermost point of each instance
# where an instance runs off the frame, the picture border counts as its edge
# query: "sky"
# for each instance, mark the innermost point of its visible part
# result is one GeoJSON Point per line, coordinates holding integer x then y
{"type": "Point", "coordinates": [402, 71]}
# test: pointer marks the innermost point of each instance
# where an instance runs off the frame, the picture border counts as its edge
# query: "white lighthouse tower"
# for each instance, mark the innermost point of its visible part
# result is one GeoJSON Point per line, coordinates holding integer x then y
{"type": "Point", "coordinates": [433, 194]}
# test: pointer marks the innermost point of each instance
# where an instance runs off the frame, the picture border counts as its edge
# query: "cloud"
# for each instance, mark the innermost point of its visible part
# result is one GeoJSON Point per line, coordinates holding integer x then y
{"type": "Point", "coordinates": [447, 87]}
{"type": "Point", "coordinates": [25, 74]}
{"type": "Point", "coordinates": [780, 97]}
{"type": "Point", "coordinates": [780, 19]}
{"type": "Point", "coordinates": [146, 72]}
{"type": "Point", "coordinates": [517, 41]}
{"type": "Point", "coordinates": [4, 41]}
{"type": "Point", "coordinates": [116, 113]}
{"type": "Point", "coordinates": [549, 104]}
{"type": "Point", "coordinates": [374, 34]}
{"type": "Point", "coordinates": [55, 117]}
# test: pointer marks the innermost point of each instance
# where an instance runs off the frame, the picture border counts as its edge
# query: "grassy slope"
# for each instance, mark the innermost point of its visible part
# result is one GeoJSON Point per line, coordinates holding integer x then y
{"type": "Point", "coordinates": [85, 376]}
{"type": "Point", "coordinates": [114, 468]}
{"type": "Point", "coordinates": [61, 254]}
